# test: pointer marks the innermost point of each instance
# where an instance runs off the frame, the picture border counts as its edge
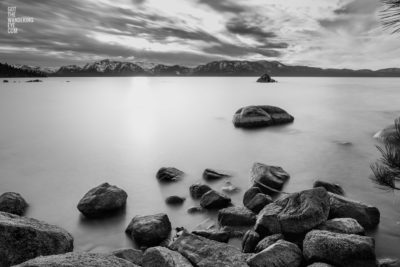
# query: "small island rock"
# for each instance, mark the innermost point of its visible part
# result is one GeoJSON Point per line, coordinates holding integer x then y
{"type": "Point", "coordinates": [13, 203]}
{"type": "Point", "coordinates": [174, 200]}
{"type": "Point", "coordinates": [265, 78]}
{"type": "Point", "coordinates": [169, 174]}
{"type": "Point", "coordinates": [267, 177]}
{"type": "Point", "coordinates": [261, 116]}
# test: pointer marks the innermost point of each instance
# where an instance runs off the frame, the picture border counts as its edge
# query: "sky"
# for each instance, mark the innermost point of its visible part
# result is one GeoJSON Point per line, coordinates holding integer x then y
{"type": "Point", "coordinates": [321, 33]}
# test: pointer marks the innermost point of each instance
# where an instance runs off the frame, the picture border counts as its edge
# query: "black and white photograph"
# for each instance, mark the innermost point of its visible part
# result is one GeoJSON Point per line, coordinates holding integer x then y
{"type": "Point", "coordinates": [200, 133]}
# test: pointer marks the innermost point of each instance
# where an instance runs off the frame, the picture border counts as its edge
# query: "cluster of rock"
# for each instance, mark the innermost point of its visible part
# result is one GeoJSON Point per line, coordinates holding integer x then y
{"type": "Point", "coordinates": [260, 116]}
{"type": "Point", "coordinates": [265, 78]}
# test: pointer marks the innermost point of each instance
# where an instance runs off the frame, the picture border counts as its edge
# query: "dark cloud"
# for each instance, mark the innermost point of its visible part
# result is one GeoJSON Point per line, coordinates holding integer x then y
{"type": "Point", "coordinates": [225, 6]}
{"type": "Point", "coordinates": [244, 28]}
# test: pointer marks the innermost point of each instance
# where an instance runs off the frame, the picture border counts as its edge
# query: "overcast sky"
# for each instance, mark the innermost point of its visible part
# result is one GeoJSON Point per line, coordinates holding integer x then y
{"type": "Point", "coordinates": [325, 33]}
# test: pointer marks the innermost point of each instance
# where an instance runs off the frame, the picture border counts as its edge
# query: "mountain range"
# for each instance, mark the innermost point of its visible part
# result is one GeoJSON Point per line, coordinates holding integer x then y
{"type": "Point", "coordinates": [109, 68]}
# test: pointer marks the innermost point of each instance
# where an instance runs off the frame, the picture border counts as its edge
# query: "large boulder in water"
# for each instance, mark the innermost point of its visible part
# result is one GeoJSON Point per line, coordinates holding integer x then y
{"type": "Point", "coordinates": [203, 252]}
{"type": "Point", "coordinates": [214, 200]}
{"type": "Point", "coordinates": [267, 177]}
{"type": "Point", "coordinates": [339, 249]}
{"type": "Point", "coordinates": [295, 213]}
{"type": "Point", "coordinates": [24, 238]}
{"type": "Point", "coordinates": [261, 116]}
{"type": "Point", "coordinates": [342, 207]}
{"type": "Point", "coordinates": [169, 174]}
{"type": "Point", "coordinates": [265, 78]}
{"type": "Point", "coordinates": [236, 216]}
{"type": "Point", "coordinates": [13, 203]}
{"type": "Point", "coordinates": [164, 257]}
{"type": "Point", "coordinates": [149, 230]}
{"type": "Point", "coordinates": [102, 200]}
{"type": "Point", "coordinates": [342, 225]}
{"type": "Point", "coordinates": [78, 259]}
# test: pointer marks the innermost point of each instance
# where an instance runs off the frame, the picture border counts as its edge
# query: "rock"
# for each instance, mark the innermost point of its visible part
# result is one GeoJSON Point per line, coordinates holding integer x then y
{"type": "Point", "coordinates": [174, 200]}
{"type": "Point", "coordinates": [236, 216]}
{"type": "Point", "coordinates": [267, 241]}
{"type": "Point", "coordinates": [280, 254]}
{"type": "Point", "coordinates": [5, 81]}
{"type": "Point", "coordinates": [265, 78]}
{"type": "Point", "coordinates": [164, 257]}
{"type": "Point", "coordinates": [388, 262]}
{"type": "Point", "coordinates": [169, 174]}
{"type": "Point", "coordinates": [230, 188]}
{"type": "Point", "coordinates": [342, 225]}
{"type": "Point", "coordinates": [260, 116]}
{"type": "Point", "coordinates": [320, 264]}
{"type": "Point", "coordinates": [330, 187]}
{"type": "Point", "coordinates": [198, 190]}
{"type": "Point", "coordinates": [203, 252]}
{"type": "Point", "coordinates": [24, 238]}
{"type": "Point", "coordinates": [102, 200]}
{"type": "Point", "coordinates": [13, 203]}
{"type": "Point", "coordinates": [268, 177]}
{"type": "Point", "coordinates": [214, 200]}
{"type": "Point", "coordinates": [34, 81]}
{"type": "Point", "coordinates": [133, 255]}
{"type": "Point", "coordinates": [216, 235]}
{"type": "Point", "coordinates": [210, 174]}
{"type": "Point", "coordinates": [149, 230]}
{"type": "Point", "coordinates": [195, 210]}
{"type": "Point", "coordinates": [342, 207]}
{"type": "Point", "coordinates": [235, 231]}
{"type": "Point", "coordinates": [339, 249]}
{"type": "Point", "coordinates": [295, 213]}
{"type": "Point", "coordinates": [250, 241]}
{"type": "Point", "coordinates": [250, 193]}
{"type": "Point", "coordinates": [78, 259]}
{"type": "Point", "coordinates": [258, 202]}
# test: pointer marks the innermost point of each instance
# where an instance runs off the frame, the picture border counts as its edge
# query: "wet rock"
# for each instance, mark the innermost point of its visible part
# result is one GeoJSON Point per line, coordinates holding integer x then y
{"type": "Point", "coordinates": [268, 177]}
{"type": "Point", "coordinates": [265, 78]}
{"type": "Point", "coordinates": [339, 249]}
{"type": "Point", "coordinates": [24, 238]}
{"type": "Point", "coordinates": [169, 174]}
{"type": "Point", "coordinates": [342, 207]}
{"type": "Point", "coordinates": [78, 259]}
{"type": "Point", "coordinates": [34, 81]}
{"type": "Point", "coordinates": [260, 116]}
{"type": "Point", "coordinates": [258, 202]}
{"type": "Point", "coordinates": [195, 210]}
{"type": "Point", "coordinates": [250, 193]}
{"type": "Point", "coordinates": [236, 231]}
{"type": "Point", "coordinates": [295, 213]}
{"type": "Point", "coordinates": [203, 252]}
{"type": "Point", "coordinates": [214, 200]}
{"type": "Point", "coordinates": [164, 257]}
{"type": "Point", "coordinates": [198, 190]}
{"type": "Point", "coordinates": [102, 200]}
{"type": "Point", "coordinates": [149, 230]}
{"type": "Point", "coordinates": [250, 241]}
{"type": "Point", "coordinates": [330, 187]}
{"type": "Point", "coordinates": [236, 216]}
{"type": "Point", "coordinates": [342, 225]}
{"type": "Point", "coordinates": [132, 255]}
{"type": "Point", "coordinates": [216, 235]}
{"type": "Point", "coordinates": [267, 241]}
{"type": "Point", "coordinates": [388, 262]}
{"type": "Point", "coordinates": [5, 81]}
{"type": "Point", "coordinates": [210, 174]}
{"type": "Point", "coordinates": [280, 254]}
{"type": "Point", "coordinates": [13, 203]}
{"type": "Point", "coordinates": [230, 188]}
{"type": "Point", "coordinates": [174, 200]}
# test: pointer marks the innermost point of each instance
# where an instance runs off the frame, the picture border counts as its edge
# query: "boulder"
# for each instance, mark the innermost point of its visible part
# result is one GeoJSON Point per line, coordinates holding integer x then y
{"type": "Point", "coordinates": [133, 255]}
{"type": "Point", "coordinates": [13, 203]}
{"type": "Point", "coordinates": [267, 241]}
{"type": "Point", "coordinates": [265, 78]}
{"type": "Point", "coordinates": [169, 174]}
{"type": "Point", "coordinates": [216, 235]}
{"type": "Point", "coordinates": [210, 174]}
{"type": "Point", "coordinates": [339, 249]}
{"type": "Point", "coordinates": [5, 81]}
{"type": "Point", "coordinates": [250, 241]}
{"type": "Point", "coordinates": [198, 190]}
{"type": "Point", "coordinates": [203, 252]}
{"type": "Point", "coordinates": [342, 225]}
{"type": "Point", "coordinates": [174, 200]}
{"type": "Point", "coordinates": [149, 230]}
{"type": "Point", "coordinates": [260, 116]}
{"type": "Point", "coordinates": [295, 213]}
{"type": "Point", "coordinates": [235, 231]}
{"type": "Point", "coordinates": [24, 238]}
{"type": "Point", "coordinates": [102, 200]}
{"type": "Point", "coordinates": [280, 254]}
{"type": "Point", "coordinates": [342, 207]}
{"type": "Point", "coordinates": [255, 200]}
{"type": "Point", "coordinates": [78, 259]}
{"type": "Point", "coordinates": [250, 193]}
{"type": "Point", "coordinates": [236, 216]}
{"type": "Point", "coordinates": [330, 187]}
{"type": "Point", "coordinates": [269, 178]}
{"type": "Point", "coordinates": [214, 200]}
{"type": "Point", "coordinates": [164, 257]}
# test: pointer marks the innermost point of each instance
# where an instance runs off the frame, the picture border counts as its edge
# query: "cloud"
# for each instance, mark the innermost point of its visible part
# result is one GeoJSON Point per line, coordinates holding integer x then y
{"type": "Point", "coordinates": [225, 6]}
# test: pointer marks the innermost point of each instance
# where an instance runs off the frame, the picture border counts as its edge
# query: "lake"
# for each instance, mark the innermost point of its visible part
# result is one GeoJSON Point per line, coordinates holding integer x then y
{"type": "Point", "coordinates": [59, 139]}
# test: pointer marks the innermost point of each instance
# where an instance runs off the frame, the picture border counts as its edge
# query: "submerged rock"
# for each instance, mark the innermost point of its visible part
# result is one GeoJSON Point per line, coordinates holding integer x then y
{"type": "Point", "coordinates": [5, 81]}
{"type": "Point", "coordinates": [330, 187]}
{"type": "Point", "coordinates": [34, 81]}
{"type": "Point", "coordinates": [267, 241]}
{"type": "Point", "coordinates": [169, 174]}
{"type": "Point", "coordinates": [265, 78]}
{"type": "Point", "coordinates": [236, 216]}
{"type": "Point", "coordinates": [198, 190]}
{"type": "Point", "coordinates": [260, 116]}
{"type": "Point", "coordinates": [24, 238]}
{"type": "Point", "coordinates": [342, 225]}
{"type": "Point", "coordinates": [268, 177]}
{"type": "Point", "coordinates": [133, 255]}
{"type": "Point", "coordinates": [13, 203]}
{"type": "Point", "coordinates": [214, 200]}
{"type": "Point", "coordinates": [164, 257]}
{"type": "Point", "coordinates": [210, 174]}
{"type": "Point", "coordinates": [174, 200]}
{"type": "Point", "coordinates": [149, 230]}
{"type": "Point", "coordinates": [250, 241]}
{"type": "Point", "coordinates": [216, 235]}
{"type": "Point", "coordinates": [339, 249]}
{"type": "Point", "coordinates": [102, 200]}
